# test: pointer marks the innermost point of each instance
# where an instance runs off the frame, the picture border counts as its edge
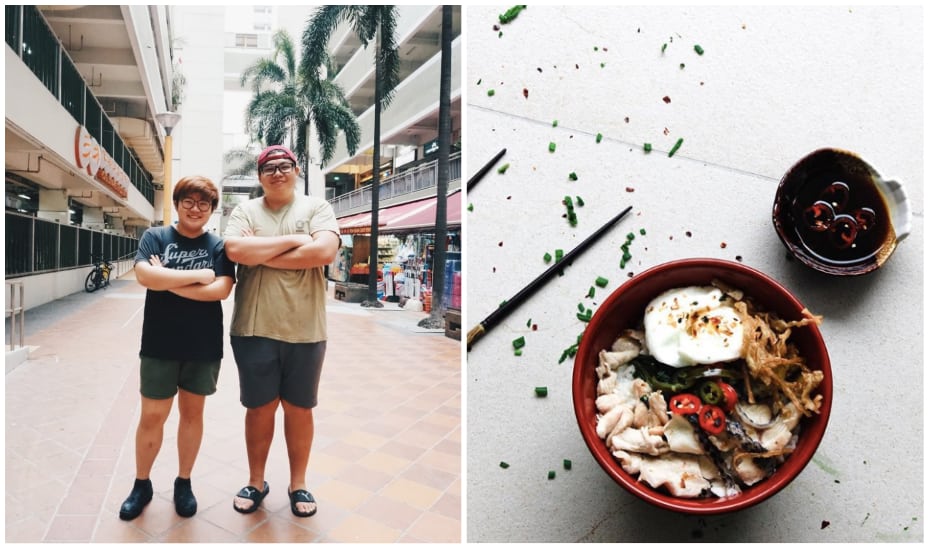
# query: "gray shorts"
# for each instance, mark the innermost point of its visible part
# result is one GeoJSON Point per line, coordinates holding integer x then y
{"type": "Point", "coordinates": [269, 369]}
{"type": "Point", "coordinates": [161, 378]}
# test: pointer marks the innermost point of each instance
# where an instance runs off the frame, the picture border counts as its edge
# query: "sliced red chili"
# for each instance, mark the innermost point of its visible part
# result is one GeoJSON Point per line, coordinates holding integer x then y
{"type": "Point", "coordinates": [729, 395]}
{"type": "Point", "coordinates": [712, 419]}
{"type": "Point", "coordinates": [685, 403]}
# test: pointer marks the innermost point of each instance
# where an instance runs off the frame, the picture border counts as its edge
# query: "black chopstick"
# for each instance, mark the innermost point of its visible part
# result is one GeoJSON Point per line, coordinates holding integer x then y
{"type": "Point", "coordinates": [507, 307]}
{"type": "Point", "coordinates": [484, 170]}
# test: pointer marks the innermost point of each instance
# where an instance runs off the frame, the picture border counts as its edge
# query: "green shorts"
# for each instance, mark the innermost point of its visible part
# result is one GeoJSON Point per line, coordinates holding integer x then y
{"type": "Point", "coordinates": [161, 378]}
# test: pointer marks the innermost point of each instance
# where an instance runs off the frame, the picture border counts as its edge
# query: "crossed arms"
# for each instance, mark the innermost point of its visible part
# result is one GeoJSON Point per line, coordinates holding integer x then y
{"type": "Point", "coordinates": [195, 284]}
{"type": "Point", "coordinates": [284, 251]}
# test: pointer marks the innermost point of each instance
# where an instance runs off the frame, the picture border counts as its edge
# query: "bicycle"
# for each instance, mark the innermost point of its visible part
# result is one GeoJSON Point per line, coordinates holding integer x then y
{"type": "Point", "coordinates": [99, 275]}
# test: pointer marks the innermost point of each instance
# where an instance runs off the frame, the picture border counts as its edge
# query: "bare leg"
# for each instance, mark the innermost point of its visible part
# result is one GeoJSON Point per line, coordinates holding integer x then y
{"type": "Point", "coordinates": [190, 430]}
{"type": "Point", "coordinates": [259, 431]}
{"type": "Point", "coordinates": [150, 433]}
{"type": "Point", "coordinates": [298, 433]}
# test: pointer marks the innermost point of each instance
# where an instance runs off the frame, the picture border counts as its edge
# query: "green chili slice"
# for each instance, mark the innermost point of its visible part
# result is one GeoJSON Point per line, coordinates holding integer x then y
{"type": "Point", "coordinates": [710, 393]}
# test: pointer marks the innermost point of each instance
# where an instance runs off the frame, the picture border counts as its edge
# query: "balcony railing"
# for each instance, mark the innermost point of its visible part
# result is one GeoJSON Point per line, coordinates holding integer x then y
{"type": "Point", "coordinates": [31, 38]}
{"type": "Point", "coordinates": [423, 176]}
{"type": "Point", "coordinates": [35, 245]}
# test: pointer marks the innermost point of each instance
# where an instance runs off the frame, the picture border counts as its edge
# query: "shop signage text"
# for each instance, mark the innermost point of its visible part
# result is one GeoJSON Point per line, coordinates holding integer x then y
{"type": "Point", "coordinates": [92, 158]}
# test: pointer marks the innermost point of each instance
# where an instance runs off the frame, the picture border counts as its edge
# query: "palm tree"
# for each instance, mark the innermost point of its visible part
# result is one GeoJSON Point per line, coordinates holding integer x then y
{"type": "Point", "coordinates": [371, 24]}
{"type": "Point", "coordinates": [435, 319]}
{"type": "Point", "coordinates": [286, 102]}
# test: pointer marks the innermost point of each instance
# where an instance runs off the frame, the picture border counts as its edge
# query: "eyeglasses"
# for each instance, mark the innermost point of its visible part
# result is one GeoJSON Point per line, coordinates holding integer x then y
{"type": "Point", "coordinates": [270, 169]}
{"type": "Point", "coordinates": [203, 206]}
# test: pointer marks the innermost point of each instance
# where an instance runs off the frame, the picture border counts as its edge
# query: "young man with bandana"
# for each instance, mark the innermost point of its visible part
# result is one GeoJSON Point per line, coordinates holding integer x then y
{"type": "Point", "coordinates": [281, 241]}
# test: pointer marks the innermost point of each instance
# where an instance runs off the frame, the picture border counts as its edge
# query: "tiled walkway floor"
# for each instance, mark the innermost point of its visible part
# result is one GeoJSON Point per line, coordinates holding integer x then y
{"type": "Point", "coordinates": [385, 464]}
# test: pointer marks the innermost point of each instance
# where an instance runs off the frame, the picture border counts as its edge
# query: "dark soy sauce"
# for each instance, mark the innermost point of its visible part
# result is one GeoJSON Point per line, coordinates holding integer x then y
{"type": "Point", "coordinates": [838, 212]}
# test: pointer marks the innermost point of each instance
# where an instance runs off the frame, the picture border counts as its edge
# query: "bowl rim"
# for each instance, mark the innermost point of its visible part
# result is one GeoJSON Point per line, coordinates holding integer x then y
{"type": "Point", "coordinates": [596, 446]}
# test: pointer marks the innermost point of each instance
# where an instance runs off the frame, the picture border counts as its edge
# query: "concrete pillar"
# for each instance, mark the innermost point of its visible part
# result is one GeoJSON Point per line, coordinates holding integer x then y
{"type": "Point", "coordinates": [93, 218]}
{"type": "Point", "coordinates": [53, 205]}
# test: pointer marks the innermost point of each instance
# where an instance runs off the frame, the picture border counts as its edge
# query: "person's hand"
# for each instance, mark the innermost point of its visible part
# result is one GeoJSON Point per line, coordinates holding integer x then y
{"type": "Point", "coordinates": [205, 276]}
{"type": "Point", "coordinates": [155, 261]}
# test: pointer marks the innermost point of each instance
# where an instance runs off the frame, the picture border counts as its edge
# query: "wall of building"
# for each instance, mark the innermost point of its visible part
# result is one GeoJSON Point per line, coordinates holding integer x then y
{"type": "Point", "coordinates": [198, 139]}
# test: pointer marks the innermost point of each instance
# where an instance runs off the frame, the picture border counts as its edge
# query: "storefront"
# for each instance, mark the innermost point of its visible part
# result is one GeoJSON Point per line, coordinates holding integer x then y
{"type": "Point", "coordinates": [406, 245]}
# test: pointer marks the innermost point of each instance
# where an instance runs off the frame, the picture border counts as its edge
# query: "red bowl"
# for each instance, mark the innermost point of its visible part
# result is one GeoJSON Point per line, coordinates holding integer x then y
{"type": "Point", "coordinates": [624, 309]}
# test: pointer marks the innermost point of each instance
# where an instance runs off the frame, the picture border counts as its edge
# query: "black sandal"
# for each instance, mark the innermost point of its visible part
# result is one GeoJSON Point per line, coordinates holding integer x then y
{"type": "Point", "coordinates": [253, 494]}
{"type": "Point", "coordinates": [301, 495]}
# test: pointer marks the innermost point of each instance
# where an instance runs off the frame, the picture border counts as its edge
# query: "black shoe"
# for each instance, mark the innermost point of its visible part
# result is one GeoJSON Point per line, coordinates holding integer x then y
{"type": "Point", "coordinates": [134, 504]}
{"type": "Point", "coordinates": [184, 502]}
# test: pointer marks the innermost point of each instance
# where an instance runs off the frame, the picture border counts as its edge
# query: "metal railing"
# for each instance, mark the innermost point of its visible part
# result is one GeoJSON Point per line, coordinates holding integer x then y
{"type": "Point", "coordinates": [17, 314]}
{"type": "Point", "coordinates": [31, 38]}
{"type": "Point", "coordinates": [423, 176]}
{"type": "Point", "coordinates": [35, 245]}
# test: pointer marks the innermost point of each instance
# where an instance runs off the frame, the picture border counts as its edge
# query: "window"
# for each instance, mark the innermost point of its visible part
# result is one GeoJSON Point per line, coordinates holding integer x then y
{"type": "Point", "coordinates": [246, 40]}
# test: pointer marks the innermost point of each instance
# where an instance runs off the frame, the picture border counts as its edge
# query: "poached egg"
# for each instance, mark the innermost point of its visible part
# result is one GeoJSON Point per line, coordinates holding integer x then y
{"type": "Point", "coordinates": [691, 326]}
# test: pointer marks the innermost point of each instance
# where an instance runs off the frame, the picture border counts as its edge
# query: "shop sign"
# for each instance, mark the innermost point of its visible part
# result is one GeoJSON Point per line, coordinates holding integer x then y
{"type": "Point", "coordinates": [430, 147]}
{"type": "Point", "coordinates": [93, 159]}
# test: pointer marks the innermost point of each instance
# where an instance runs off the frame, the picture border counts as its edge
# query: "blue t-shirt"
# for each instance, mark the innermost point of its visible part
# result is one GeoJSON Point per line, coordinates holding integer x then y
{"type": "Point", "coordinates": [174, 327]}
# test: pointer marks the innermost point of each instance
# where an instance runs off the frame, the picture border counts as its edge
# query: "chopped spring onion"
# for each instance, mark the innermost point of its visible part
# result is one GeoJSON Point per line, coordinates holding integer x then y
{"type": "Point", "coordinates": [519, 343]}
{"type": "Point", "coordinates": [599, 137]}
{"type": "Point", "coordinates": [490, 92]}
{"type": "Point", "coordinates": [555, 123]}
{"type": "Point", "coordinates": [504, 465]}
{"type": "Point", "coordinates": [547, 257]}
{"type": "Point", "coordinates": [578, 201]}
{"type": "Point", "coordinates": [510, 14]}
{"type": "Point", "coordinates": [542, 391]}
{"type": "Point", "coordinates": [601, 282]}
{"type": "Point", "coordinates": [676, 146]}
{"type": "Point", "coordinates": [699, 49]}
{"type": "Point", "coordinates": [552, 147]}
{"type": "Point", "coordinates": [558, 254]}
{"type": "Point", "coordinates": [647, 147]}
{"type": "Point", "coordinates": [551, 474]}
{"type": "Point", "coordinates": [567, 464]}
{"type": "Point", "coordinates": [590, 293]}
{"type": "Point", "coordinates": [573, 176]}
{"type": "Point", "coordinates": [503, 168]}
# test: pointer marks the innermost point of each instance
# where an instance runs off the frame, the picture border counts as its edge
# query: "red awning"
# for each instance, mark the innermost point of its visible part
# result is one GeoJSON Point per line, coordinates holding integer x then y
{"type": "Point", "coordinates": [412, 215]}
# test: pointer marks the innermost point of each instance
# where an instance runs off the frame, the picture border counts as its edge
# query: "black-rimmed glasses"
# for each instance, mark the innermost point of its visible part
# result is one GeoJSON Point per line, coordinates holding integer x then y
{"type": "Point", "coordinates": [270, 169]}
{"type": "Point", "coordinates": [203, 206]}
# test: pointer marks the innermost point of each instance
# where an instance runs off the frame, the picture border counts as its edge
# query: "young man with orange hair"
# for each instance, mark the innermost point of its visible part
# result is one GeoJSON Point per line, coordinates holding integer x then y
{"type": "Point", "coordinates": [187, 274]}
